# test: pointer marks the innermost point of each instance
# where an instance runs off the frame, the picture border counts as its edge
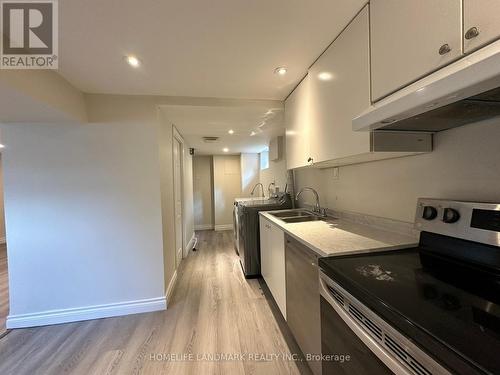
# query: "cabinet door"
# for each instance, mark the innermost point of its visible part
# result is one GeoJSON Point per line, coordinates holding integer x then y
{"type": "Point", "coordinates": [277, 280]}
{"type": "Point", "coordinates": [340, 90]}
{"type": "Point", "coordinates": [265, 249]}
{"type": "Point", "coordinates": [272, 255]}
{"type": "Point", "coordinates": [409, 38]}
{"type": "Point", "coordinates": [484, 16]}
{"type": "Point", "coordinates": [297, 126]}
{"type": "Point", "coordinates": [303, 299]}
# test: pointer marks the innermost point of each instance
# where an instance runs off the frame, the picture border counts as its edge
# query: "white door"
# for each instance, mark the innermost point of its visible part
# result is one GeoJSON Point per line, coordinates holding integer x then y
{"type": "Point", "coordinates": [481, 23]}
{"type": "Point", "coordinates": [409, 38]}
{"type": "Point", "coordinates": [178, 200]}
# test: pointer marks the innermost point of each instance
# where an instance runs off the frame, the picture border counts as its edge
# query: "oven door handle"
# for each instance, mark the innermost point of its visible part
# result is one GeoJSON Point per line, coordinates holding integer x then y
{"type": "Point", "coordinates": [393, 364]}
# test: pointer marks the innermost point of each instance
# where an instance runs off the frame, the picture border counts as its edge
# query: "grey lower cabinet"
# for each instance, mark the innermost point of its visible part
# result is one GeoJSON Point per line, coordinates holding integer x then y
{"type": "Point", "coordinates": [302, 298]}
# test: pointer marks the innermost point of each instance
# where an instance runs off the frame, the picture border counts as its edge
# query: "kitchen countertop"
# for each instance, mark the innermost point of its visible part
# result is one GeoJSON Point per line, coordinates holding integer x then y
{"type": "Point", "coordinates": [341, 237]}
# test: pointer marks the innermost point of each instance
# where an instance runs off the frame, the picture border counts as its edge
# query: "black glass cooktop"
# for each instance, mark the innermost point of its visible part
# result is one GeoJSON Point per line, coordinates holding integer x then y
{"type": "Point", "coordinates": [450, 310]}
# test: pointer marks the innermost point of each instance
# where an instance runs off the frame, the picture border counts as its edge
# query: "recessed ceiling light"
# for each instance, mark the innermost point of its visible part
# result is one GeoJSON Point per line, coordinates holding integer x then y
{"type": "Point", "coordinates": [252, 134]}
{"type": "Point", "coordinates": [2, 146]}
{"type": "Point", "coordinates": [325, 76]}
{"type": "Point", "coordinates": [225, 149]}
{"type": "Point", "coordinates": [280, 70]}
{"type": "Point", "coordinates": [133, 61]}
{"type": "Point", "coordinates": [230, 131]}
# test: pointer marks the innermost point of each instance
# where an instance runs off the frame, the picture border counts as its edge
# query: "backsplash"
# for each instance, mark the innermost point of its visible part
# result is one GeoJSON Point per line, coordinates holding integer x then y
{"type": "Point", "coordinates": [389, 225]}
{"type": "Point", "coordinates": [465, 165]}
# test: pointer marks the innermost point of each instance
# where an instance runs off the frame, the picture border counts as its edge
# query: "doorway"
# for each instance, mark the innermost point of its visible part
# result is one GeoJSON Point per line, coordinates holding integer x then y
{"type": "Point", "coordinates": [178, 197]}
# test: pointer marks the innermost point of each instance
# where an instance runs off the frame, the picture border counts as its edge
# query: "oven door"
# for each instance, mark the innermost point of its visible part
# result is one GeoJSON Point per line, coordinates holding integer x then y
{"type": "Point", "coordinates": [342, 336]}
{"type": "Point", "coordinates": [338, 339]}
{"type": "Point", "coordinates": [348, 328]}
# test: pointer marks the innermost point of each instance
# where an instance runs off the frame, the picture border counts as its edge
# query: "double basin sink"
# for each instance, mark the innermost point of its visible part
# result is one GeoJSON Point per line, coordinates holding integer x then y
{"type": "Point", "coordinates": [296, 216]}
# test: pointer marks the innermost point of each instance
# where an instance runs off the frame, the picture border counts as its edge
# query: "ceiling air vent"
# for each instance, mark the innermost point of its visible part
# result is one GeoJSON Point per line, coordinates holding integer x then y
{"type": "Point", "coordinates": [210, 139]}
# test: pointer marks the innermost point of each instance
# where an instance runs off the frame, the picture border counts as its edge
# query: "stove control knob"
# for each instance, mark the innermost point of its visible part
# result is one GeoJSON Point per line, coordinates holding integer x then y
{"type": "Point", "coordinates": [450, 215]}
{"type": "Point", "coordinates": [429, 213]}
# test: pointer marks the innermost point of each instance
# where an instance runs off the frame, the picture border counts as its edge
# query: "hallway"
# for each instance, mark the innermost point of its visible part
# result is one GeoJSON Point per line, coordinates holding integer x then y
{"type": "Point", "coordinates": [213, 310]}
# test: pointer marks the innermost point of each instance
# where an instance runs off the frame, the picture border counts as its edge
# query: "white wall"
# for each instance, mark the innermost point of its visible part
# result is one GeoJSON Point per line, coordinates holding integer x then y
{"type": "Point", "coordinates": [227, 186]}
{"type": "Point", "coordinates": [250, 173]}
{"type": "Point", "coordinates": [2, 214]}
{"type": "Point", "coordinates": [203, 192]}
{"type": "Point", "coordinates": [465, 165]}
{"type": "Point", "coordinates": [39, 96]}
{"type": "Point", "coordinates": [276, 173]}
{"type": "Point", "coordinates": [83, 216]}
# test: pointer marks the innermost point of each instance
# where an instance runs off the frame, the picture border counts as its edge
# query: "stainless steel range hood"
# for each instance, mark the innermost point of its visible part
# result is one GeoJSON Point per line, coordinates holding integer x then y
{"type": "Point", "coordinates": [462, 93]}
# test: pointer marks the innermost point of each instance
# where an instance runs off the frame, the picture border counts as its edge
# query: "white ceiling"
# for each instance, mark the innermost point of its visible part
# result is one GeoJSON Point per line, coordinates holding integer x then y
{"type": "Point", "coordinates": [194, 122]}
{"type": "Point", "coordinates": [203, 48]}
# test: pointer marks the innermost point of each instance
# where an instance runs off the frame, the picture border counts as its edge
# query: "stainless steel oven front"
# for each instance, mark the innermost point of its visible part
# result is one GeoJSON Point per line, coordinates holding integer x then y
{"type": "Point", "coordinates": [354, 340]}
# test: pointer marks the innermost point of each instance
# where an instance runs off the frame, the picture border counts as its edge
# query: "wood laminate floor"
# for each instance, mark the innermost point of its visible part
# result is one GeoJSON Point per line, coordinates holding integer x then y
{"type": "Point", "coordinates": [4, 288]}
{"type": "Point", "coordinates": [213, 310]}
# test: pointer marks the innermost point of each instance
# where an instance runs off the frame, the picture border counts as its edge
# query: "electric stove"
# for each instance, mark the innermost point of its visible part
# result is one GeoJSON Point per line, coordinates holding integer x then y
{"type": "Point", "coordinates": [444, 294]}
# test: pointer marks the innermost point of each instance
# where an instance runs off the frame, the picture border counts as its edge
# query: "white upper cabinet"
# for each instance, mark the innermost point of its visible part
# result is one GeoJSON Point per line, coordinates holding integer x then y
{"type": "Point", "coordinates": [410, 39]}
{"type": "Point", "coordinates": [481, 23]}
{"type": "Point", "coordinates": [297, 126]}
{"type": "Point", "coordinates": [340, 90]}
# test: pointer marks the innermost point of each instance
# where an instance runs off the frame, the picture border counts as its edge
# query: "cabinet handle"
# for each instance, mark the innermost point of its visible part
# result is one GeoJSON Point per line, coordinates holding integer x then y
{"type": "Point", "coordinates": [444, 49]}
{"type": "Point", "coordinates": [472, 33]}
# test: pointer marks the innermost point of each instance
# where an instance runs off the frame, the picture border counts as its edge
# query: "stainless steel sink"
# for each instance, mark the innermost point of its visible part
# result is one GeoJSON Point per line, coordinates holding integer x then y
{"type": "Point", "coordinates": [292, 213]}
{"type": "Point", "coordinates": [301, 219]}
{"type": "Point", "coordinates": [296, 216]}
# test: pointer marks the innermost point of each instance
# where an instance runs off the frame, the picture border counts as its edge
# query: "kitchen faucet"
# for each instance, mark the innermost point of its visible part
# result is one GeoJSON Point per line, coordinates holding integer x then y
{"type": "Point", "coordinates": [317, 207]}
{"type": "Point", "coordinates": [261, 186]}
{"type": "Point", "coordinates": [269, 188]}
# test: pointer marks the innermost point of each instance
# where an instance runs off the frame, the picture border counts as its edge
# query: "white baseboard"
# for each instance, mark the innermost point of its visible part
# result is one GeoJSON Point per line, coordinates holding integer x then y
{"type": "Point", "coordinates": [224, 227]}
{"type": "Point", "coordinates": [203, 227]}
{"type": "Point", "coordinates": [3, 240]}
{"type": "Point", "coordinates": [86, 313]}
{"type": "Point", "coordinates": [171, 286]}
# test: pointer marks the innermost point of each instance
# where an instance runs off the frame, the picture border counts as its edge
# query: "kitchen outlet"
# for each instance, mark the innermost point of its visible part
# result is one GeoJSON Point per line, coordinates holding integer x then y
{"type": "Point", "coordinates": [335, 173]}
